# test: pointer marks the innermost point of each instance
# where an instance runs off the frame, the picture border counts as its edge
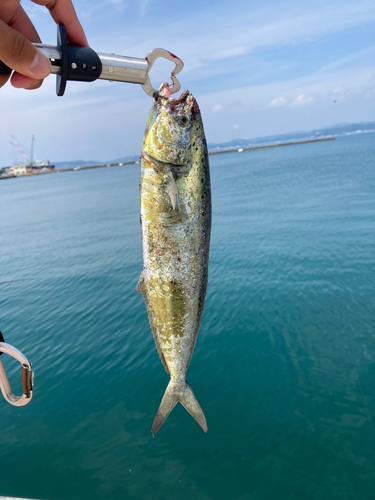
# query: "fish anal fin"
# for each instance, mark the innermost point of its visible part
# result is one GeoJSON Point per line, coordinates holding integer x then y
{"type": "Point", "coordinates": [142, 288]}
{"type": "Point", "coordinates": [160, 351]}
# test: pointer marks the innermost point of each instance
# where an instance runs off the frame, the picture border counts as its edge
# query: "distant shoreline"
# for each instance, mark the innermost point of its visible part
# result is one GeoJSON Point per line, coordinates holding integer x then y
{"type": "Point", "coordinates": [236, 150]}
{"type": "Point", "coordinates": [240, 150]}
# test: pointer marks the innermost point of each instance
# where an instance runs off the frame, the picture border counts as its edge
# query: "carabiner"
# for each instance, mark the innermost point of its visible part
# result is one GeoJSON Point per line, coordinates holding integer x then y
{"type": "Point", "coordinates": [27, 385]}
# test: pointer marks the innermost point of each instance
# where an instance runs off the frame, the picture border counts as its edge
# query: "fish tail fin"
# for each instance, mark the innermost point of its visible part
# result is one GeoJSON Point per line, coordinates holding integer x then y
{"type": "Point", "coordinates": [178, 391]}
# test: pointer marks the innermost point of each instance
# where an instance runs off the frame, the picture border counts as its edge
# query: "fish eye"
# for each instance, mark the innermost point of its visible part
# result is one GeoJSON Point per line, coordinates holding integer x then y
{"type": "Point", "coordinates": [182, 119]}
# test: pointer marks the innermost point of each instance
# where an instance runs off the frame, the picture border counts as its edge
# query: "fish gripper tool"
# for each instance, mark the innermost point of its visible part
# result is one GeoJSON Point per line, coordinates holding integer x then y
{"type": "Point", "coordinates": [83, 64]}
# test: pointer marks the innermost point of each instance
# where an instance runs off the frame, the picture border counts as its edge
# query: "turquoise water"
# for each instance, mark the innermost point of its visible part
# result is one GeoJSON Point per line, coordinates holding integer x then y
{"type": "Point", "coordinates": [284, 364]}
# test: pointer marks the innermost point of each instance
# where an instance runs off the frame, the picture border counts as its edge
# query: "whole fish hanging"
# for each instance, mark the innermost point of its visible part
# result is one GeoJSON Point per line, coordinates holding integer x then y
{"type": "Point", "coordinates": [175, 206]}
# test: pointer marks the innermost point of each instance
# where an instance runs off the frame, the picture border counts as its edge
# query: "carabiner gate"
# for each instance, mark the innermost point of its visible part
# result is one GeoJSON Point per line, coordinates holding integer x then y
{"type": "Point", "coordinates": [27, 385]}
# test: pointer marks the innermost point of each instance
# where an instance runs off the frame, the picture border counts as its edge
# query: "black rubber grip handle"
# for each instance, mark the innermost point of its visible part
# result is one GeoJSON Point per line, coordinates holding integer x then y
{"type": "Point", "coordinates": [80, 64]}
{"type": "Point", "coordinates": [4, 69]}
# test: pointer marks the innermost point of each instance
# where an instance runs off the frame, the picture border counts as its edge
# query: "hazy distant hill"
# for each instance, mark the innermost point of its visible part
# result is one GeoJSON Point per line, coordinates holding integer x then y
{"type": "Point", "coordinates": [333, 131]}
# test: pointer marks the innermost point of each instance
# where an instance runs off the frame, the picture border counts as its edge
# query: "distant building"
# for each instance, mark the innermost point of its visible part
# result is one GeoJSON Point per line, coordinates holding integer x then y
{"type": "Point", "coordinates": [18, 170]}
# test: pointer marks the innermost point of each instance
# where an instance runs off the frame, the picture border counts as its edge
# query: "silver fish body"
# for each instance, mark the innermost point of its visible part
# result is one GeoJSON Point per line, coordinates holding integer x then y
{"type": "Point", "coordinates": [175, 206]}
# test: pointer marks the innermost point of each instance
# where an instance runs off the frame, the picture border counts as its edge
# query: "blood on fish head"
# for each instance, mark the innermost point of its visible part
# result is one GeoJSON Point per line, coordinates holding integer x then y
{"type": "Point", "coordinates": [168, 136]}
{"type": "Point", "coordinates": [164, 90]}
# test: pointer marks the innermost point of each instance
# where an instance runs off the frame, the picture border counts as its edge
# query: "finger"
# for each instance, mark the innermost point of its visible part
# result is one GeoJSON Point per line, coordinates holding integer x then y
{"type": "Point", "coordinates": [24, 82]}
{"type": "Point", "coordinates": [20, 22]}
{"type": "Point", "coordinates": [62, 11]}
{"type": "Point", "coordinates": [21, 55]}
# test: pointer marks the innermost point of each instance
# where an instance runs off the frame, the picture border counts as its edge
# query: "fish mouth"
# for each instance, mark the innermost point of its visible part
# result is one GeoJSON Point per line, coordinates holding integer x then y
{"type": "Point", "coordinates": [180, 99]}
{"type": "Point", "coordinates": [164, 92]}
{"type": "Point", "coordinates": [187, 98]}
{"type": "Point", "coordinates": [171, 103]}
{"type": "Point", "coordinates": [172, 100]}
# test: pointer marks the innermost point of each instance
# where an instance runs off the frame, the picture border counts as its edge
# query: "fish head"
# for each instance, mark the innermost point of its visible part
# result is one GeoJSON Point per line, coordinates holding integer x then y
{"type": "Point", "coordinates": [168, 133]}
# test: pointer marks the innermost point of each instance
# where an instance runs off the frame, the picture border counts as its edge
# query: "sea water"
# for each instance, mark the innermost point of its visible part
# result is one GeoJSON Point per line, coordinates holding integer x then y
{"type": "Point", "coordinates": [284, 363]}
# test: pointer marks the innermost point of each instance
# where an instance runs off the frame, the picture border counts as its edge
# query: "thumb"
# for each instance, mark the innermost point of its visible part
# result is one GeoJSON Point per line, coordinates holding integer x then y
{"type": "Point", "coordinates": [20, 55]}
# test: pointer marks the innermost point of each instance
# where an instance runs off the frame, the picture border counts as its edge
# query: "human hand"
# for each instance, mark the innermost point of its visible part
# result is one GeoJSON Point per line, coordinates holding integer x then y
{"type": "Point", "coordinates": [17, 32]}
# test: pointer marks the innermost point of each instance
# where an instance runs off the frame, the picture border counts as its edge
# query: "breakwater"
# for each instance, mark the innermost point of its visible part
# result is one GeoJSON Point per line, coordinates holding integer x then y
{"type": "Point", "coordinates": [277, 145]}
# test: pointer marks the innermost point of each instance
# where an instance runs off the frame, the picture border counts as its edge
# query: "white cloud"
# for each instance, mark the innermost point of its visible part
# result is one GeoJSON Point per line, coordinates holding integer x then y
{"type": "Point", "coordinates": [277, 102]}
{"type": "Point", "coordinates": [251, 30]}
{"type": "Point", "coordinates": [241, 100]}
{"type": "Point", "coordinates": [360, 57]}
{"type": "Point", "coordinates": [227, 53]}
{"type": "Point", "coordinates": [144, 7]}
{"type": "Point", "coordinates": [236, 127]}
{"type": "Point", "coordinates": [339, 94]}
{"type": "Point", "coordinates": [216, 108]}
{"type": "Point", "coordinates": [302, 100]}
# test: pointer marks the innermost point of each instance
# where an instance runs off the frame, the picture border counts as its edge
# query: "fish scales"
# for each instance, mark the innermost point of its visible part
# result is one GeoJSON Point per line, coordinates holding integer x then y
{"type": "Point", "coordinates": [175, 208]}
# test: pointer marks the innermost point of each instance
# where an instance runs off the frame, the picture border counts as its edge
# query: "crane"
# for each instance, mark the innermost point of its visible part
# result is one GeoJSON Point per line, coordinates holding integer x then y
{"type": "Point", "coordinates": [31, 164]}
{"type": "Point", "coordinates": [20, 149]}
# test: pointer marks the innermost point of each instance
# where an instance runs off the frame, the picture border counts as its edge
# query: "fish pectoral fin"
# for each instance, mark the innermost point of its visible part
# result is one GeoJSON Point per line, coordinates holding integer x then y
{"type": "Point", "coordinates": [178, 391]}
{"type": "Point", "coordinates": [171, 190]}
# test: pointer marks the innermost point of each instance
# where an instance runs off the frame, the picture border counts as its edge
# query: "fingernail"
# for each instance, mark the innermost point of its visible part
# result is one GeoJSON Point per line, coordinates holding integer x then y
{"type": "Point", "coordinates": [31, 86]}
{"type": "Point", "coordinates": [40, 67]}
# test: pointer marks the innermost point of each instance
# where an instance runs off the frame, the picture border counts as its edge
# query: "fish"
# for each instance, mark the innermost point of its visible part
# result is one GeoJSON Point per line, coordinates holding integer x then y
{"type": "Point", "coordinates": [175, 215]}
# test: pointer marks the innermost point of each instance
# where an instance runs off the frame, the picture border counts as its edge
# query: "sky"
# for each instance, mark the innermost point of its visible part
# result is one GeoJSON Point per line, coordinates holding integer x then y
{"type": "Point", "coordinates": [255, 68]}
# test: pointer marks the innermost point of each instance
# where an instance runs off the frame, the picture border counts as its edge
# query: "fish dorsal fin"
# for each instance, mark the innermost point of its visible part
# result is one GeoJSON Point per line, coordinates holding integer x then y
{"type": "Point", "coordinates": [171, 190]}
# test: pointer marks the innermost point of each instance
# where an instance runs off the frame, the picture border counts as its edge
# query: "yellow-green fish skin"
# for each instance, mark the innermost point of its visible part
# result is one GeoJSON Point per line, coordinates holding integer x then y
{"type": "Point", "coordinates": [175, 206]}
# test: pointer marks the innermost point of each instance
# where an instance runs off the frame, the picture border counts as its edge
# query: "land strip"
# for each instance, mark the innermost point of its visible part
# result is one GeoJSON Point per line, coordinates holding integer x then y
{"type": "Point", "coordinates": [236, 150]}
